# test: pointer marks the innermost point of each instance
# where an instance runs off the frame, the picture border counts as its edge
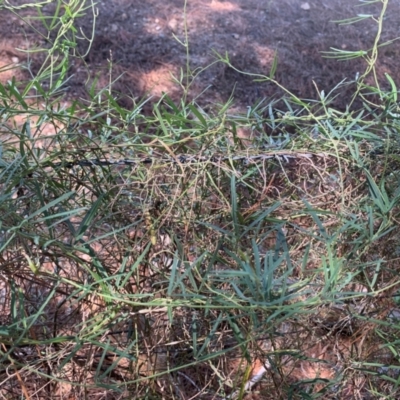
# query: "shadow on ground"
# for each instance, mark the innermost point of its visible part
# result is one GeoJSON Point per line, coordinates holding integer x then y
{"type": "Point", "coordinates": [143, 40]}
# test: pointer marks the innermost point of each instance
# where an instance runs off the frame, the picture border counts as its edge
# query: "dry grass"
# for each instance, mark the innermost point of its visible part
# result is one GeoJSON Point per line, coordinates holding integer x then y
{"type": "Point", "coordinates": [148, 277]}
{"type": "Point", "coordinates": [190, 254]}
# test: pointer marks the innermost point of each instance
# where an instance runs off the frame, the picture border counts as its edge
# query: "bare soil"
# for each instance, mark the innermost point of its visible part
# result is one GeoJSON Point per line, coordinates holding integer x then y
{"type": "Point", "coordinates": [143, 40]}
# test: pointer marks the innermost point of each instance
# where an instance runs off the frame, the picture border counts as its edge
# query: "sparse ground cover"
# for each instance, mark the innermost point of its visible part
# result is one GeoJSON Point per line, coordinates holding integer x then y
{"type": "Point", "coordinates": [176, 248]}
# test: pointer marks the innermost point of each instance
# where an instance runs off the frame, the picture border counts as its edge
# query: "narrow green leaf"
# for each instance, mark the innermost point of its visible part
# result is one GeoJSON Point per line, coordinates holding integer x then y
{"type": "Point", "coordinates": [13, 89]}
{"type": "Point", "coordinates": [393, 87]}
{"type": "Point", "coordinates": [199, 116]}
{"type": "Point", "coordinates": [52, 203]}
{"type": "Point", "coordinates": [84, 225]}
{"type": "Point", "coordinates": [274, 65]}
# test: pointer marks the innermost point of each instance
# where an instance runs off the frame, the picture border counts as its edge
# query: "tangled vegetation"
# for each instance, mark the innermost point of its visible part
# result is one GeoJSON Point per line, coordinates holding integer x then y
{"type": "Point", "coordinates": [190, 253]}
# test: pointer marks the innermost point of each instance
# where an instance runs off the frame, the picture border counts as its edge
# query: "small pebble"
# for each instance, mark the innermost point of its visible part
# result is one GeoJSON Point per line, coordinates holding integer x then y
{"type": "Point", "coordinates": [236, 36]}
{"type": "Point", "coordinates": [15, 60]}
